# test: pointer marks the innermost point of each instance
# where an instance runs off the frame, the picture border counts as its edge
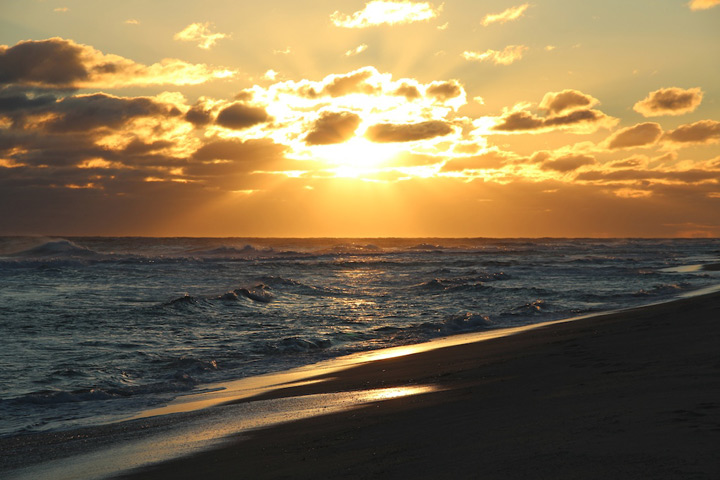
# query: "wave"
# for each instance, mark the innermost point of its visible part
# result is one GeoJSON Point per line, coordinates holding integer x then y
{"type": "Point", "coordinates": [231, 251]}
{"type": "Point", "coordinates": [471, 283]}
{"type": "Point", "coordinates": [58, 249]}
{"type": "Point", "coordinates": [296, 345]}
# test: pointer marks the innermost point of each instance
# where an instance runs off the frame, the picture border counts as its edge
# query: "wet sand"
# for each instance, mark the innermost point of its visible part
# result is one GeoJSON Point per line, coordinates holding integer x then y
{"type": "Point", "coordinates": [628, 395]}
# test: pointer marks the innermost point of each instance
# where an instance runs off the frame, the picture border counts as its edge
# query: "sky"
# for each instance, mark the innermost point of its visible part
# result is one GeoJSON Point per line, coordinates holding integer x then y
{"type": "Point", "coordinates": [463, 118]}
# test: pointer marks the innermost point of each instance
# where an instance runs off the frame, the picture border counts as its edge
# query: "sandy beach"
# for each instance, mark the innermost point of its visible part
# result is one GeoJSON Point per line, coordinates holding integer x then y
{"type": "Point", "coordinates": [634, 394]}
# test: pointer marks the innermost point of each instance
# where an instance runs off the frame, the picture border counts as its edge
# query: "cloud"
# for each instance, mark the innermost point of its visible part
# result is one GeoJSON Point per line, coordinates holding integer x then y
{"type": "Point", "coordinates": [669, 101]}
{"type": "Point", "coordinates": [491, 160]}
{"type": "Point", "coordinates": [199, 114]}
{"type": "Point", "coordinates": [132, 21]}
{"type": "Point", "coordinates": [61, 9]}
{"type": "Point", "coordinates": [199, 32]}
{"type": "Point", "coordinates": [236, 150]}
{"type": "Point", "coordinates": [239, 116]}
{"type": "Point", "coordinates": [356, 51]}
{"type": "Point", "coordinates": [380, 12]}
{"type": "Point", "coordinates": [410, 92]}
{"type": "Point", "coordinates": [568, 163]}
{"type": "Point", "coordinates": [333, 127]}
{"type": "Point", "coordinates": [565, 101]}
{"type": "Point", "coordinates": [643, 134]}
{"type": "Point", "coordinates": [61, 63]}
{"type": "Point", "coordinates": [389, 132]}
{"type": "Point", "coordinates": [506, 56]}
{"type": "Point", "coordinates": [340, 85]}
{"type": "Point", "coordinates": [704, 131]}
{"type": "Point", "coordinates": [88, 112]}
{"type": "Point", "coordinates": [703, 4]}
{"type": "Point", "coordinates": [512, 13]}
{"type": "Point", "coordinates": [444, 91]}
{"type": "Point", "coordinates": [578, 121]}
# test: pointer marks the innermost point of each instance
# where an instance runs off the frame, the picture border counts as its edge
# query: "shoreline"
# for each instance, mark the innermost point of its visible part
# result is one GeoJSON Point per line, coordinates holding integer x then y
{"type": "Point", "coordinates": [633, 394]}
{"type": "Point", "coordinates": [464, 376]}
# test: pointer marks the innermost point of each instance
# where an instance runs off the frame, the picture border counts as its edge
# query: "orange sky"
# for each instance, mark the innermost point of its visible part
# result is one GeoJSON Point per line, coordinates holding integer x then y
{"type": "Point", "coordinates": [360, 119]}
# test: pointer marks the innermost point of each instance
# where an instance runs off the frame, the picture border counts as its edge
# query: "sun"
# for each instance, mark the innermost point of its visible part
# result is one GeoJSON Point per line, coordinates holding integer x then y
{"type": "Point", "coordinates": [358, 155]}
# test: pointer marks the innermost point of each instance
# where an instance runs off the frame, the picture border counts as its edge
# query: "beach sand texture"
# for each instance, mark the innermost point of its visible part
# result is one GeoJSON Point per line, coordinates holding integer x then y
{"type": "Point", "coordinates": [634, 394]}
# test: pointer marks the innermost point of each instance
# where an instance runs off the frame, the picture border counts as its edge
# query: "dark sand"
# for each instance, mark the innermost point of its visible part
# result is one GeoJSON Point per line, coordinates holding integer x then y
{"type": "Point", "coordinates": [628, 395]}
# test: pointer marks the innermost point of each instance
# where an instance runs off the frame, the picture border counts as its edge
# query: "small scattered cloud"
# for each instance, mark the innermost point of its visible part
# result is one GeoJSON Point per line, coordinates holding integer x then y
{"type": "Point", "coordinates": [506, 56]}
{"type": "Point", "coordinates": [356, 51]}
{"type": "Point", "coordinates": [284, 51]}
{"type": "Point", "coordinates": [550, 48]}
{"type": "Point", "coordinates": [578, 121]}
{"type": "Point", "coordinates": [641, 135]}
{"type": "Point", "coordinates": [568, 163]}
{"type": "Point", "coordinates": [669, 101]}
{"type": "Point", "coordinates": [332, 128]}
{"type": "Point", "coordinates": [132, 21]}
{"type": "Point", "coordinates": [379, 12]}
{"type": "Point", "coordinates": [61, 10]}
{"type": "Point", "coordinates": [61, 63]}
{"type": "Point", "coordinates": [566, 101]}
{"type": "Point", "coordinates": [239, 116]}
{"type": "Point", "coordinates": [390, 132]}
{"type": "Point", "coordinates": [199, 32]}
{"type": "Point", "coordinates": [512, 13]}
{"type": "Point", "coordinates": [703, 4]}
{"type": "Point", "coordinates": [704, 131]}
{"type": "Point", "coordinates": [445, 91]}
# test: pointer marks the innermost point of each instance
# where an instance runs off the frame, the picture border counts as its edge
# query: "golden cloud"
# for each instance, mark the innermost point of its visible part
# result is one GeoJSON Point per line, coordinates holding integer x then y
{"type": "Point", "coordinates": [356, 51]}
{"type": "Point", "coordinates": [380, 12]}
{"type": "Point", "coordinates": [566, 101]}
{"type": "Point", "coordinates": [568, 163]}
{"type": "Point", "coordinates": [238, 116]}
{"type": "Point", "coordinates": [669, 101]}
{"type": "Point", "coordinates": [703, 4]}
{"type": "Point", "coordinates": [389, 133]}
{"type": "Point", "coordinates": [199, 32]}
{"type": "Point", "coordinates": [704, 131]}
{"type": "Point", "coordinates": [61, 63]}
{"type": "Point", "coordinates": [506, 56]}
{"type": "Point", "coordinates": [641, 135]}
{"type": "Point", "coordinates": [512, 13]}
{"type": "Point", "coordinates": [578, 121]}
{"type": "Point", "coordinates": [332, 128]}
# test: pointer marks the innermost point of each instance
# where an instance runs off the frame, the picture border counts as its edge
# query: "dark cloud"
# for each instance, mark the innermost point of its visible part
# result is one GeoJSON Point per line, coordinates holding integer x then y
{"type": "Point", "coordinates": [523, 121]}
{"type": "Point", "coordinates": [568, 100]}
{"type": "Point", "coordinates": [704, 131]}
{"type": "Point", "coordinates": [239, 116]}
{"type": "Point", "coordinates": [341, 85]}
{"type": "Point", "coordinates": [21, 99]}
{"type": "Point", "coordinates": [333, 127]}
{"type": "Point", "coordinates": [444, 91]}
{"type": "Point", "coordinates": [199, 115]}
{"type": "Point", "coordinates": [88, 112]}
{"type": "Point", "coordinates": [392, 132]}
{"type": "Point", "coordinates": [238, 150]}
{"type": "Point", "coordinates": [568, 163]}
{"type": "Point", "coordinates": [683, 176]}
{"type": "Point", "coordinates": [410, 92]}
{"type": "Point", "coordinates": [54, 62]}
{"type": "Point", "coordinates": [636, 136]}
{"type": "Point", "coordinates": [487, 161]}
{"type": "Point", "coordinates": [669, 101]}
{"type": "Point", "coordinates": [63, 64]}
{"type": "Point", "coordinates": [632, 162]}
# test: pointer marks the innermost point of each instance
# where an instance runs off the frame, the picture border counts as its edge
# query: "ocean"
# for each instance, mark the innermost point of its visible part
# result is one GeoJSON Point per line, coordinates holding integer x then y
{"type": "Point", "coordinates": [95, 330]}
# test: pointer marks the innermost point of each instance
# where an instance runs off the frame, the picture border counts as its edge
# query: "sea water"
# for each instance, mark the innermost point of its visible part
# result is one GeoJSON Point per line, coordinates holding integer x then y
{"type": "Point", "coordinates": [93, 330]}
